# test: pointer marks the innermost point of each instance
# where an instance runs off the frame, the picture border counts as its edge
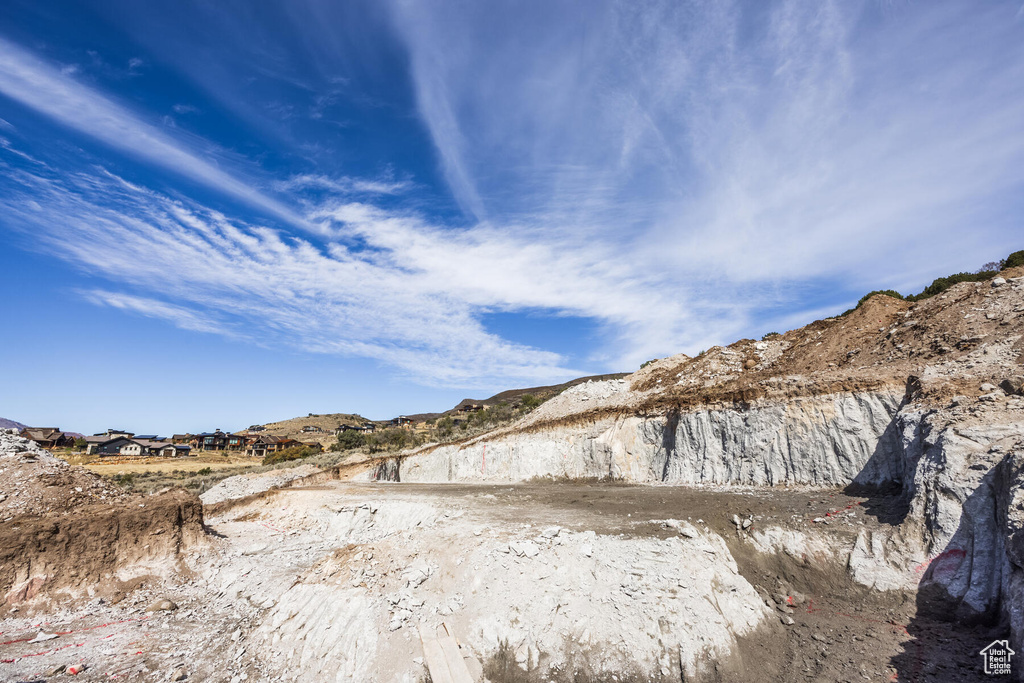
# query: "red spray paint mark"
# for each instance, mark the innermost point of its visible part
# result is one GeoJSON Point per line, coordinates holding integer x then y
{"type": "Point", "coordinates": [943, 563]}
{"type": "Point", "coordinates": [80, 630]}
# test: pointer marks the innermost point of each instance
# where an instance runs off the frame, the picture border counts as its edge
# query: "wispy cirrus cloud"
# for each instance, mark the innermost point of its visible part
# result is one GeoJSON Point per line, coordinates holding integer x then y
{"type": "Point", "coordinates": [344, 185]}
{"type": "Point", "coordinates": [54, 93]}
{"type": "Point", "coordinates": [769, 143]}
{"type": "Point", "coordinates": [153, 308]}
{"type": "Point", "coordinates": [665, 170]}
{"type": "Point", "coordinates": [200, 271]}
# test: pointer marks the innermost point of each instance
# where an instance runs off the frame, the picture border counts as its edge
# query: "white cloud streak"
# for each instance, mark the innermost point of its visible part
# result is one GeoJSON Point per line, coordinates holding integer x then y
{"type": "Point", "coordinates": [665, 169]}
{"type": "Point", "coordinates": [201, 272]}
{"type": "Point", "coordinates": [52, 92]}
{"type": "Point", "coordinates": [749, 143]}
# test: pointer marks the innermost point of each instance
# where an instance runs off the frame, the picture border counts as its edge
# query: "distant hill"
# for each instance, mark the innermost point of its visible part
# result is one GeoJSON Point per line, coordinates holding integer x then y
{"type": "Point", "coordinates": [512, 396]}
{"type": "Point", "coordinates": [328, 422]}
{"type": "Point", "coordinates": [10, 424]}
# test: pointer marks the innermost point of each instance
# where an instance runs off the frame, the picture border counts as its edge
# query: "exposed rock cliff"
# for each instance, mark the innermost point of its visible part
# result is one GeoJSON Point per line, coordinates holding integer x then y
{"type": "Point", "coordinates": [923, 399]}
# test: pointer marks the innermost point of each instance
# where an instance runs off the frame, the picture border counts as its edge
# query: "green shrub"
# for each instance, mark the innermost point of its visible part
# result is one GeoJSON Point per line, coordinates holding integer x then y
{"type": "Point", "coordinates": [445, 427]}
{"type": "Point", "coordinates": [770, 335]}
{"type": "Point", "coordinates": [350, 440]}
{"type": "Point", "coordinates": [205, 471]}
{"type": "Point", "coordinates": [289, 454]}
{"type": "Point", "coordinates": [646, 363]}
{"type": "Point", "coordinates": [941, 284]}
{"type": "Point", "coordinates": [1013, 260]}
{"type": "Point", "coordinates": [529, 401]}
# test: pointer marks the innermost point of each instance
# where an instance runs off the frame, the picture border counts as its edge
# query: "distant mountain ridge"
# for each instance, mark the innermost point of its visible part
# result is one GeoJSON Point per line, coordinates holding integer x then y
{"type": "Point", "coordinates": [10, 424]}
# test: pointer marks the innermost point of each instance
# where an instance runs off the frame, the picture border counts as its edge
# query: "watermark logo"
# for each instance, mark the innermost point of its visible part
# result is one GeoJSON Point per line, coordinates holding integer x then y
{"type": "Point", "coordinates": [997, 658]}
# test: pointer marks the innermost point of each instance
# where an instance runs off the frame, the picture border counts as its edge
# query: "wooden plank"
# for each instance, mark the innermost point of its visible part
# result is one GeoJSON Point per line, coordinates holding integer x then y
{"type": "Point", "coordinates": [434, 657]}
{"type": "Point", "coordinates": [456, 664]}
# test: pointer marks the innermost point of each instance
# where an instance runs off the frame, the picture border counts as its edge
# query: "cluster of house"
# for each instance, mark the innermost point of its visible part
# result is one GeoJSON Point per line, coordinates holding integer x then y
{"type": "Point", "coordinates": [254, 441]}
{"type": "Point", "coordinates": [121, 442]}
{"type": "Point", "coordinates": [115, 442]}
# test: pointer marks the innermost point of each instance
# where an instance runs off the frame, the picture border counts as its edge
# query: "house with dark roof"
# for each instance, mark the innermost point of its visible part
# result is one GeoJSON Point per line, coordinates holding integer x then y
{"type": "Point", "coordinates": [267, 443]}
{"type": "Point", "coordinates": [110, 446]}
{"type": "Point", "coordinates": [135, 447]}
{"type": "Point", "coordinates": [210, 441]}
{"type": "Point", "coordinates": [341, 429]}
{"type": "Point", "coordinates": [48, 437]}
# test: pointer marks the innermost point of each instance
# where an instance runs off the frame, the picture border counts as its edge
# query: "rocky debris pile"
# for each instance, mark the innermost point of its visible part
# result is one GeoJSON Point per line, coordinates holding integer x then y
{"type": "Point", "coordinates": [583, 397]}
{"type": "Point", "coordinates": [243, 485]}
{"type": "Point", "coordinates": [34, 482]}
{"type": "Point", "coordinates": [203, 639]}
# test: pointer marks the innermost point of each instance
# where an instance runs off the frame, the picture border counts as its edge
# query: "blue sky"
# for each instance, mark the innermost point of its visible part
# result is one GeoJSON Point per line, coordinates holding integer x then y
{"type": "Point", "coordinates": [215, 214]}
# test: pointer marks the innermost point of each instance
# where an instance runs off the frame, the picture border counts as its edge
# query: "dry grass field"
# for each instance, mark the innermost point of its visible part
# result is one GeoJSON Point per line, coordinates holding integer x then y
{"type": "Point", "coordinates": [214, 461]}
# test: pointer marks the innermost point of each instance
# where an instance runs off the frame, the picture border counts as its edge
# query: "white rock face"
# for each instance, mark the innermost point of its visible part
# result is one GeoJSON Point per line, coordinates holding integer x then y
{"type": "Point", "coordinates": [962, 482]}
{"type": "Point", "coordinates": [826, 441]}
{"type": "Point", "coordinates": [959, 541]}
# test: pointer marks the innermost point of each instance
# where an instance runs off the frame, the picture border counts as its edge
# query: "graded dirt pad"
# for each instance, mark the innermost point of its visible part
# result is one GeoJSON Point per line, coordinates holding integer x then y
{"type": "Point", "coordinates": [539, 582]}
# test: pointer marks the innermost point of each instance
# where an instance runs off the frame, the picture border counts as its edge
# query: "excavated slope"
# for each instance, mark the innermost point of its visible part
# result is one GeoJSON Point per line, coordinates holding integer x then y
{"type": "Point", "coordinates": [923, 398]}
{"type": "Point", "coordinates": [66, 533]}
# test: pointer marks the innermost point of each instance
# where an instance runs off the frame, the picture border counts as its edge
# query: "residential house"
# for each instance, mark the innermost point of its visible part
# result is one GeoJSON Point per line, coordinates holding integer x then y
{"type": "Point", "coordinates": [401, 421]}
{"type": "Point", "coordinates": [256, 429]}
{"type": "Point", "coordinates": [368, 427]}
{"type": "Point", "coordinates": [114, 433]}
{"type": "Point", "coordinates": [48, 437]}
{"type": "Point", "coordinates": [181, 438]}
{"type": "Point", "coordinates": [236, 442]}
{"type": "Point", "coordinates": [312, 429]}
{"type": "Point", "coordinates": [173, 450]}
{"type": "Point", "coordinates": [268, 443]}
{"type": "Point", "coordinates": [138, 446]}
{"type": "Point", "coordinates": [93, 442]}
{"type": "Point", "coordinates": [210, 441]}
{"type": "Point", "coordinates": [135, 447]}
{"type": "Point", "coordinates": [110, 446]}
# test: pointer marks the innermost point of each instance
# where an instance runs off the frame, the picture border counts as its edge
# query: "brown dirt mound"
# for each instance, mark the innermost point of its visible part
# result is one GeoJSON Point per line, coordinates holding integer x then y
{"type": "Point", "coordinates": [67, 532]}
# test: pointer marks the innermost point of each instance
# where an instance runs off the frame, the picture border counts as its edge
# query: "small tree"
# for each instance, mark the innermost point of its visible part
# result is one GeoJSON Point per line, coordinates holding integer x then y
{"type": "Point", "coordinates": [81, 444]}
{"type": "Point", "coordinates": [395, 439]}
{"type": "Point", "coordinates": [350, 439]}
{"type": "Point", "coordinates": [1013, 260]}
{"type": "Point", "coordinates": [529, 402]}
